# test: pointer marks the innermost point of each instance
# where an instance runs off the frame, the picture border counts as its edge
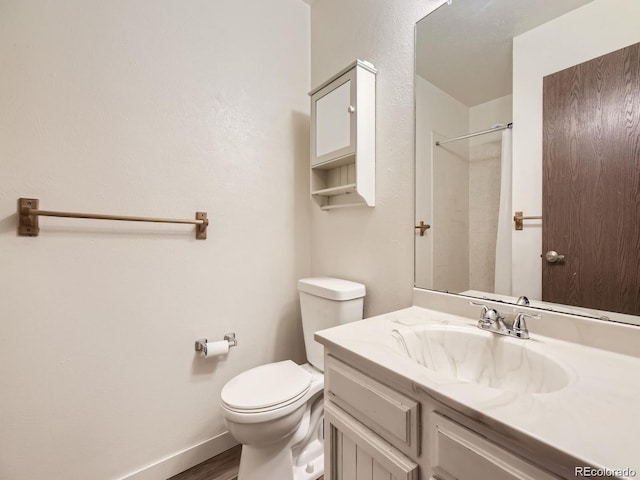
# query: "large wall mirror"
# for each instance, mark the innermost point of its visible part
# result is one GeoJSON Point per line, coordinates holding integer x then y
{"type": "Point", "coordinates": [506, 91]}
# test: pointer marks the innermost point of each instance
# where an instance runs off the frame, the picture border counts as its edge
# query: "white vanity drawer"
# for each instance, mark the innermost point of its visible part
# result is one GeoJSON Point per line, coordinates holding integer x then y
{"type": "Point", "coordinates": [392, 415]}
{"type": "Point", "coordinates": [460, 454]}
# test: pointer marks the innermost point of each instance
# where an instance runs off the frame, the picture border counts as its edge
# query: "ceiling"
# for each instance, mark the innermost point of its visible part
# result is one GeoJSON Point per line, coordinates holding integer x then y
{"type": "Point", "coordinates": [465, 48]}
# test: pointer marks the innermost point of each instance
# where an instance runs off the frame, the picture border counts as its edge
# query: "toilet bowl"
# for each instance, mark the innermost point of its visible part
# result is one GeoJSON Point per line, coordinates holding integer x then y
{"type": "Point", "coordinates": [271, 426]}
{"type": "Point", "coordinates": [276, 410]}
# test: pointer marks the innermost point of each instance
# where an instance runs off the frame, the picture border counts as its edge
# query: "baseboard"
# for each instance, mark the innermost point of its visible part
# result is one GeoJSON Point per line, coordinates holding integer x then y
{"type": "Point", "coordinates": [183, 460]}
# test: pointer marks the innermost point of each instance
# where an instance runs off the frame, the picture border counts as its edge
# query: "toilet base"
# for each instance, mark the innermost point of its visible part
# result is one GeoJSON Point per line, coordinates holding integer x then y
{"type": "Point", "coordinates": [312, 466]}
{"type": "Point", "coordinates": [270, 462]}
{"type": "Point", "coordinates": [275, 462]}
{"type": "Point", "coordinates": [298, 457]}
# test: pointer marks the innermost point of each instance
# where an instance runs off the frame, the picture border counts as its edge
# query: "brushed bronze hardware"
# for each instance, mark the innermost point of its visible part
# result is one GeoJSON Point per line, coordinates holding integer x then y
{"type": "Point", "coordinates": [518, 218]}
{"type": "Point", "coordinates": [27, 224]}
{"type": "Point", "coordinates": [423, 227]}
{"type": "Point", "coordinates": [201, 228]}
{"type": "Point", "coordinates": [28, 213]}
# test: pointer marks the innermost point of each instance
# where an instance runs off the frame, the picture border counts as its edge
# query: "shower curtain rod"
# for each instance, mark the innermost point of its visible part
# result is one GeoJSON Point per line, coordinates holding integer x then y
{"type": "Point", "coordinates": [469, 135]}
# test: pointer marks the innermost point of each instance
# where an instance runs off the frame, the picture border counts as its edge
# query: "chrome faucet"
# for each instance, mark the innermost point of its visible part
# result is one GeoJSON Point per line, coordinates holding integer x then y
{"type": "Point", "coordinates": [492, 321]}
{"type": "Point", "coordinates": [519, 325]}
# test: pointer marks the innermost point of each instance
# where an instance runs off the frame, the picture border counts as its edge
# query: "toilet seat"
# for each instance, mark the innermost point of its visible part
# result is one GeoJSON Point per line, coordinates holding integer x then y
{"type": "Point", "coordinates": [303, 382]}
{"type": "Point", "coordinates": [267, 387]}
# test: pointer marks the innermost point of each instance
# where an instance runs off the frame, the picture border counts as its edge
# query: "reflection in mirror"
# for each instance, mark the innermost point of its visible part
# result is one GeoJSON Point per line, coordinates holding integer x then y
{"type": "Point", "coordinates": [480, 66]}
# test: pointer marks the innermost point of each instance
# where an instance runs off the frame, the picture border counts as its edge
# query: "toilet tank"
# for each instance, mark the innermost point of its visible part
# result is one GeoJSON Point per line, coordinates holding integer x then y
{"type": "Point", "coordinates": [327, 302]}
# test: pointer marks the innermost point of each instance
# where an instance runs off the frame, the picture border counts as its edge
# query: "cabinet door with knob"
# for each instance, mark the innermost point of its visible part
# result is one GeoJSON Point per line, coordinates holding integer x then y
{"type": "Point", "coordinates": [343, 138]}
{"type": "Point", "coordinates": [334, 120]}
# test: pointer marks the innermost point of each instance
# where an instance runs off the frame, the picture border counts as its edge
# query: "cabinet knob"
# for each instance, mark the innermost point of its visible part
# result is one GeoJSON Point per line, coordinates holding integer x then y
{"type": "Point", "coordinates": [351, 109]}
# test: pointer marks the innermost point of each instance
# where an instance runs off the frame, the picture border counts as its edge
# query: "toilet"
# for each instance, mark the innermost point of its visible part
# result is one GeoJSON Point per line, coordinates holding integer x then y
{"type": "Point", "coordinates": [276, 410]}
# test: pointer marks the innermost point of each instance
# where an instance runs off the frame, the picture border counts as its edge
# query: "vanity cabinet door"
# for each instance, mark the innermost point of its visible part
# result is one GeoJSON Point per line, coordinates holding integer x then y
{"type": "Point", "coordinates": [457, 453]}
{"type": "Point", "coordinates": [353, 452]}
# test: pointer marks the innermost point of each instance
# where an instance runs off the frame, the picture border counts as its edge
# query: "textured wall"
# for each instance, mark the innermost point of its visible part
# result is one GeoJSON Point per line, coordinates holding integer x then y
{"type": "Point", "coordinates": [155, 108]}
{"type": "Point", "coordinates": [372, 245]}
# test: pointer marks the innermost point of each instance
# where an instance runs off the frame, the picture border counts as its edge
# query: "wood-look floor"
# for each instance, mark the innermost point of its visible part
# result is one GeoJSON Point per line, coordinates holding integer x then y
{"type": "Point", "coordinates": [221, 467]}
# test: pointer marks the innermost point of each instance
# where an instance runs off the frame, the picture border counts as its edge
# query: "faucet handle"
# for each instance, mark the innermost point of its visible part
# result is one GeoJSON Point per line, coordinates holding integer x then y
{"type": "Point", "coordinates": [485, 309]}
{"type": "Point", "coordinates": [488, 316]}
{"type": "Point", "coordinates": [519, 327]}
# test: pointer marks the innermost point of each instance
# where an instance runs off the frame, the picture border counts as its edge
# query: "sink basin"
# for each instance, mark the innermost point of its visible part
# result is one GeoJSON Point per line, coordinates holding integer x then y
{"type": "Point", "coordinates": [471, 355]}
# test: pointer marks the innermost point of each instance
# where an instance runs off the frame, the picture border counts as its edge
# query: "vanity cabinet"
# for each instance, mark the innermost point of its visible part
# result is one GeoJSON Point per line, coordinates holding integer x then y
{"type": "Point", "coordinates": [375, 430]}
{"type": "Point", "coordinates": [343, 138]}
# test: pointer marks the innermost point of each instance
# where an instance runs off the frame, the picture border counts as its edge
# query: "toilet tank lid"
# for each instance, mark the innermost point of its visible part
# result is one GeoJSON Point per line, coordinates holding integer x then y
{"type": "Point", "coordinates": [332, 288]}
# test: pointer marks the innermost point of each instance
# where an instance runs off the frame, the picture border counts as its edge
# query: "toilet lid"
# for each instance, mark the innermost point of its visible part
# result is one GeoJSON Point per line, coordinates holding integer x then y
{"type": "Point", "coordinates": [266, 386]}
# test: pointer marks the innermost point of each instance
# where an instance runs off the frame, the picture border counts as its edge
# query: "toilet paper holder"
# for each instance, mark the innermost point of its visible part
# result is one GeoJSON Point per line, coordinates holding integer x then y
{"type": "Point", "coordinates": [201, 344]}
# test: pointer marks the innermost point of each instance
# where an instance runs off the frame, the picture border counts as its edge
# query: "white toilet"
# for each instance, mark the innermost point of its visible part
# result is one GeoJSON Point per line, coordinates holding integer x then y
{"type": "Point", "coordinates": [276, 410]}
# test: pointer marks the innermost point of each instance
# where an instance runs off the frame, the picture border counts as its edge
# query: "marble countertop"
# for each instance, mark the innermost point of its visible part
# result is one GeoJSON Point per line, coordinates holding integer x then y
{"type": "Point", "coordinates": [595, 417]}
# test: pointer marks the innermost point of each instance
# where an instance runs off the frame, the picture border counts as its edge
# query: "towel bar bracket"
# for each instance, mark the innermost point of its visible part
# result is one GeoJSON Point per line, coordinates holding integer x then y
{"type": "Point", "coordinates": [27, 223]}
{"type": "Point", "coordinates": [201, 229]}
{"type": "Point", "coordinates": [519, 217]}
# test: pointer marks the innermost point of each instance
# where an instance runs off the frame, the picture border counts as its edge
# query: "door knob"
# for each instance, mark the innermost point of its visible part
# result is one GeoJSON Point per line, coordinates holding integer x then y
{"type": "Point", "coordinates": [552, 256]}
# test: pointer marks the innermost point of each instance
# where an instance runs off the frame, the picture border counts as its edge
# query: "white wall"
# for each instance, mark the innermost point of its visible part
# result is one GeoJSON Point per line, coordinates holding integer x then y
{"type": "Point", "coordinates": [372, 245]}
{"type": "Point", "coordinates": [155, 108]}
{"type": "Point", "coordinates": [599, 27]}
{"type": "Point", "coordinates": [450, 204]}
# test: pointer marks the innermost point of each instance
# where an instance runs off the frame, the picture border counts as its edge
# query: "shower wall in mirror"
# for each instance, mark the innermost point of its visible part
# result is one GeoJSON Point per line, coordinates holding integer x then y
{"type": "Point", "coordinates": [479, 67]}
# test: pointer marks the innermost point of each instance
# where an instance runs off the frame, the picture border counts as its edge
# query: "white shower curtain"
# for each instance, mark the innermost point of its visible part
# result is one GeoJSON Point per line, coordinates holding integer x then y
{"type": "Point", "coordinates": [502, 282]}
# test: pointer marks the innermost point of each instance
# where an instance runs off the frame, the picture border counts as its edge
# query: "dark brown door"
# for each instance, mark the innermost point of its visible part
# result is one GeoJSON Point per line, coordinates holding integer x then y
{"type": "Point", "coordinates": [591, 183]}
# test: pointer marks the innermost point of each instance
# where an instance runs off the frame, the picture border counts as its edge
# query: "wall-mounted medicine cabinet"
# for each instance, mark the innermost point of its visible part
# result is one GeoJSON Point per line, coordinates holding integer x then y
{"type": "Point", "coordinates": [343, 141]}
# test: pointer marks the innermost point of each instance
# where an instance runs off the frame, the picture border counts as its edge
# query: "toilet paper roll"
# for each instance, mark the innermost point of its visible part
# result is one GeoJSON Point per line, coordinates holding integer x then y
{"type": "Point", "coordinates": [213, 349]}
